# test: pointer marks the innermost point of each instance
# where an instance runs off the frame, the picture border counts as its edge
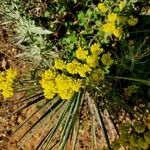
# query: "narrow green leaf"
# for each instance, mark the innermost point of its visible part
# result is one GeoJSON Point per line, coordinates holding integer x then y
{"type": "Point", "coordinates": [147, 82]}
{"type": "Point", "coordinates": [51, 133]}
{"type": "Point", "coordinates": [76, 133]}
{"type": "Point", "coordinates": [29, 104]}
{"type": "Point", "coordinates": [72, 117]}
{"type": "Point", "coordinates": [43, 122]}
{"type": "Point", "coordinates": [26, 105]}
{"type": "Point", "coordinates": [101, 123]}
{"type": "Point", "coordinates": [31, 97]}
{"type": "Point", "coordinates": [39, 121]}
{"type": "Point", "coordinates": [69, 115]}
{"type": "Point", "coordinates": [93, 130]}
{"type": "Point", "coordinates": [27, 120]}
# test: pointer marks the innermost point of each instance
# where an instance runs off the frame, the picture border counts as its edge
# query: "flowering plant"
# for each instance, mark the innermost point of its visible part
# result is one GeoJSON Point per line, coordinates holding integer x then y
{"type": "Point", "coordinates": [79, 65]}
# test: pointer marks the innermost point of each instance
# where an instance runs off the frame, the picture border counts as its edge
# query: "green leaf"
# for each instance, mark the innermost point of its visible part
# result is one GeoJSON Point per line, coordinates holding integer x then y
{"type": "Point", "coordinates": [76, 133]}
{"type": "Point", "coordinates": [101, 123]}
{"type": "Point", "coordinates": [28, 119]}
{"type": "Point", "coordinates": [29, 104]}
{"type": "Point", "coordinates": [147, 82]}
{"type": "Point", "coordinates": [65, 136]}
{"type": "Point", "coordinates": [81, 18]}
{"type": "Point", "coordinates": [46, 140]}
{"type": "Point", "coordinates": [40, 121]}
{"type": "Point", "coordinates": [46, 14]}
{"type": "Point", "coordinates": [89, 13]}
{"type": "Point", "coordinates": [39, 30]}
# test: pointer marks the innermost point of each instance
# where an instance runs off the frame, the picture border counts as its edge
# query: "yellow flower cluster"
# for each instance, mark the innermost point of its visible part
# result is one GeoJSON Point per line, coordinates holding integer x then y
{"type": "Point", "coordinates": [81, 54]}
{"type": "Point", "coordinates": [110, 27]}
{"type": "Point", "coordinates": [115, 22]}
{"type": "Point", "coordinates": [102, 7]}
{"type": "Point", "coordinates": [6, 81]}
{"type": "Point", "coordinates": [55, 82]}
{"type": "Point", "coordinates": [91, 59]}
{"type": "Point", "coordinates": [48, 83]}
{"type": "Point", "coordinates": [75, 67]}
{"type": "Point", "coordinates": [60, 84]}
{"type": "Point", "coordinates": [96, 50]}
{"type": "Point", "coordinates": [59, 64]}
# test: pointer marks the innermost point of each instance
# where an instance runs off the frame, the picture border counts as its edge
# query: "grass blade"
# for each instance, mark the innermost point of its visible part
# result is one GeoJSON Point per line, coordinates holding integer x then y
{"type": "Point", "coordinates": [93, 130]}
{"type": "Point", "coordinates": [50, 110]}
{"type": "Point", "coordinates": [41, 143]}
{"type": "Point", "coordinates": [56, 126]}
{"type": "Point", "coordinates": [76, 132]}
{"type": "Point", "coordinates": [19, 126]}
{"type": "Point", "coordinates": [31, 97]}
{"type": "Point", "coordinates": [147, 82]}
{"type": "Point", "coordinates": [101, 122]}
{"type": "Point", "coordinates": [72, 117]}
{"type": "Point", "coordinates": [68, 118]}
{"type": "Point", "coordinates": [29, 104]}
{"type": "Point", "coordinates": [26, 105]}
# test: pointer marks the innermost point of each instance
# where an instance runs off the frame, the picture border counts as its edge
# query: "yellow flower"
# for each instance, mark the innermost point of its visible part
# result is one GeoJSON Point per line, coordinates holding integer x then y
{"type": "Point", "coordinates": [96, 50]}
{"type": "Point", "coordinates": [118, 32]}
{"type": "Point", "coordinates": [66, 94]}
{"type": "Point", "coordinates": [122, 4]}
{"type": "Point", "coordinates": [6, 82]}
{"type": "Point", "coordinates": [48, 75]}
{"type": "Point", "coordinates": [66, 86]}
{"type": "Point", "coordinates": [76, 84]}
{"type": "Point", "coordinates": [73, 67]}
{"type": "Point", "coordinates": [59, 64]}
{"type": "Point", "coordinates": [130, 90]}
{"type": "Point", "coordinates": [2, 77]}
{"type": "Point", "coordinates": [132, 21]}
{"type": "Point", "coordinates": [83, 70]}
{"type": "Point", "coordinates": [92, 60]}
{"type": "Point", "coordinates": [11, 74]}
{"type": "Point", "coordinates": [7, 93]}
{"type": "Point", "coordinates": [108, 27]}
{"type": "Point", "coordinates": [81, 53]}
{"type": "Point", "coordinates": [48, 83]}
{"type": "Point", "coordinates": [62, 81]}
{"type": "Point", "coordinates": [112, 17]}
{"type": "Point", "coordinates": [49, 89]}
{"type": "Point", "coordinates": [147, 121]}
{"type": "Point", "coordinates": [106, 59]}
{"type": "Point", "coordinates": [102, 7]}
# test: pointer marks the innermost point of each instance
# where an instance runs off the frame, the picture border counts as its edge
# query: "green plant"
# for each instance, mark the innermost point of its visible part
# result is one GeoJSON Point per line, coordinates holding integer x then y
{"type": "Point", "coordinates": [82, 49]}
{"type": "Point", "coordinates": [134, 136]}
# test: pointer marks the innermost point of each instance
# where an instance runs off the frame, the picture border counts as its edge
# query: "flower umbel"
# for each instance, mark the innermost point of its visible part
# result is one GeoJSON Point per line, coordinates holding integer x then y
{"type": "Point", "coordinates": [102, 7]}
{"type": "Point", "coordinates": [81, 53]}
{"type": "Point", "coordinates": [112, 17]}
{"type": "Point", "coordinates": [59, 64]}
{"type": "Point", "coordinates": [96, 50]}
{"type": "Point", "coordinates": [6, 82]}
